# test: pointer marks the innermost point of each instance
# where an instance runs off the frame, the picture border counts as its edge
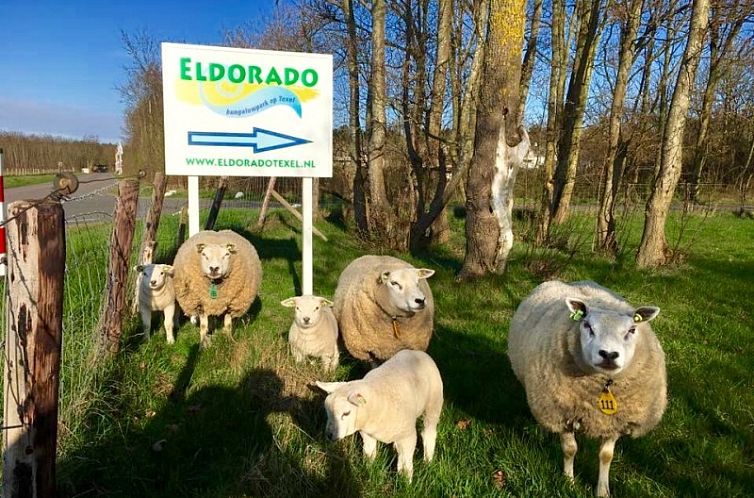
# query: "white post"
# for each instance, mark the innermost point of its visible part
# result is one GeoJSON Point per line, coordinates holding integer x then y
{"type": "Point", "coordinates": [193, 205]}
{"type": "Point", "coordinates": [306, 260]}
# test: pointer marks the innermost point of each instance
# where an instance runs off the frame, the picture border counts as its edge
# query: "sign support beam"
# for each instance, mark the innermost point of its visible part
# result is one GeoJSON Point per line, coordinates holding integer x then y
{"type": "Point", "coordinates": [307, 242]}
{"type": "Point", "coordinates": [193, 204]}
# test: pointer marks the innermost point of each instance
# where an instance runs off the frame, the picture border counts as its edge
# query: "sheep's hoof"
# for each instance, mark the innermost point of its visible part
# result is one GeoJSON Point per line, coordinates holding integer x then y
{"type": "Point", "coordinates": [205, 343]}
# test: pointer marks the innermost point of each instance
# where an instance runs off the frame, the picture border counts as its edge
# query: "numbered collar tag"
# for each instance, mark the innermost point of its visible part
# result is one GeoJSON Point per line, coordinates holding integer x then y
{"type": "Point", "coordinates": [607, 402]}
{"type": "Point", "coordinates": [213, 290]}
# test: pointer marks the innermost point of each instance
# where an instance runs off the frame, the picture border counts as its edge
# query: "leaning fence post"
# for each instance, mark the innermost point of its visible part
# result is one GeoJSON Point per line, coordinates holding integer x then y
{"type": "Point", "coordinates": [217, 202]}
{"type": "Point", "coordinates": [124, 223]}
{"type": "Point", "coordinates": [149, 244]}
{"type": "Point", "coordinates": [33, 331]}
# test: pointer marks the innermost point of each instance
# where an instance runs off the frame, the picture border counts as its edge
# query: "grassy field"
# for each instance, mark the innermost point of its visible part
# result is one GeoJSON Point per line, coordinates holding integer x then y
{"type": "Point", "coordinates": [12, 181]}
{"type": "Point", "coordinates": [240, 418]}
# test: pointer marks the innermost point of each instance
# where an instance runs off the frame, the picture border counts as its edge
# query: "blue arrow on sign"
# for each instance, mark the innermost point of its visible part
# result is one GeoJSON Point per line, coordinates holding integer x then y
{"type": "Point", "coordinates": [259, 140]}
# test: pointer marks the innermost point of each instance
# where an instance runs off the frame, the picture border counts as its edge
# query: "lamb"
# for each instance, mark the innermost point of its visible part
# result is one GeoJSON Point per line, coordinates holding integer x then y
{"type": "Point", "coordinates": [156, 292]}
{"type": "Point", "coordinates": [385, 404]}
{"type": "Point", "coordinates": [314, 331]}
{"type": "Point", "coordinates": [216, 273]}
{"type": "Point", "coordinates": [588, 360]}
{"type": "Point", "coordinates": [383, 305]}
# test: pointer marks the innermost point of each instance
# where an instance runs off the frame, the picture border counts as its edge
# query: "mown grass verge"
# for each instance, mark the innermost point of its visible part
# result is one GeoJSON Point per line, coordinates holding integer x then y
{"type": "Point", "coordinates": [240, 418]}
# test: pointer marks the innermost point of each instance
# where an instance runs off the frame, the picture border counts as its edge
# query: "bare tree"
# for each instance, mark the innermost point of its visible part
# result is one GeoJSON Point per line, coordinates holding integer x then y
{"type": "Point", "coordinates": [631, 13]}
{"type": "Point", "coordinates": [653, 250]}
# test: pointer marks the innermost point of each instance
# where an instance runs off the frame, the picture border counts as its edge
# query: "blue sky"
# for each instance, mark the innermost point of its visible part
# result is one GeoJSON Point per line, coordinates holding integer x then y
{"type": "Point", "coordinates": [60, 62]}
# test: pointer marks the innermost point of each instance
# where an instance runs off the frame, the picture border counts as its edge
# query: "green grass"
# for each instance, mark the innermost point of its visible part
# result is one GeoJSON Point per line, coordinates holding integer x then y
{"type": "Point", "coordinates": [239, 419]}
{"type": "Point", "coordinates": [24, 180]}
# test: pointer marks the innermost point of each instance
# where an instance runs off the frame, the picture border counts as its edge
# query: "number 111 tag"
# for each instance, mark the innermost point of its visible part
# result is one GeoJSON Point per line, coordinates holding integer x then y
{"type": "Point", "coordinates": [607, 403]}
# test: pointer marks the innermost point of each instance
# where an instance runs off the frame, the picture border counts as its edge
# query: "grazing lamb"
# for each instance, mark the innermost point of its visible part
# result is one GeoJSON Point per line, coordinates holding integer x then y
{"type": "Point", "coordinates": [385, 404]}
{"type": "Point", "coordinates": [314, 331]}
{"type": "Point", "coordinates": [383, 305]}
{"type": "Point", "coordinates": [216, 273]}
{"type": "Point", "coordinates": [156, 293]}
{"type": "Point", "coordinates": [588, 361]}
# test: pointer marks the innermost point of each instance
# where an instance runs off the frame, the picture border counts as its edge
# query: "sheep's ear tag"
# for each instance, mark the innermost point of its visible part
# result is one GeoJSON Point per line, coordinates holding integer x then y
{"type": "Point", "coordinates": [638, 318]}
{"type": "Point", "coordinates": [607, 402]}
{"type": "Point", "coordinates": [213, 290]}
{"type": "Point", "coordinates": [577, 315]}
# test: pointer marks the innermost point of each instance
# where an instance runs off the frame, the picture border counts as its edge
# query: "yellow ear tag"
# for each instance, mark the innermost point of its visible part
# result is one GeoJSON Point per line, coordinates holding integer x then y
{"type": "Point", "coordinates": [607, 402]}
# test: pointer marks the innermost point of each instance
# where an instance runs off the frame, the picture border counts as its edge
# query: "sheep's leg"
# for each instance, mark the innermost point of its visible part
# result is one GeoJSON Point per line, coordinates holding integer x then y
{"type": "Point", "coordinates": [146, 321]}
{"type": "Point", "coordinates": [227, 323]}
{"type": "Point", "coordinates": [203, 328]}
{"type": "Point", "coordinates": [405, 448]}
{"type": "Point", "coordinates": [429, 433]}
{"type": "Point", "coordinates": [298, 355]}
{"type": "Point", "coordinates": [169, 314]}
{"type": "Point", "coordinates": [331, 361]}
{"type": "Point", "coordinates": [370, 445]}
{"type": "Point", "coordinates": [606, 457]}
{"type": "Point", "coordinates": [569, 446]}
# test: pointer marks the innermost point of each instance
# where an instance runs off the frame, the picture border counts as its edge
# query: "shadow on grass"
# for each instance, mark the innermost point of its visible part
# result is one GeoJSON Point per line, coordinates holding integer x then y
{"type": "Point", "coordinates": [212, 441]}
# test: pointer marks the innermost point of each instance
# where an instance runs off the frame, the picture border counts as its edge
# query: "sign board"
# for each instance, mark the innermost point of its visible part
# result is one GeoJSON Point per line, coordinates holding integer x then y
{"type": "Point", "coordinates": [243, 112]}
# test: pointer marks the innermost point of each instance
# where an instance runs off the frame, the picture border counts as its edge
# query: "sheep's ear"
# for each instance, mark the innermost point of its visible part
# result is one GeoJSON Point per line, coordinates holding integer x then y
{"type": "Point", "coordinates": [329, 387]}
{"type": "Point", "coordinates": [646, 313]}
{"type": "Point", "coordinates": [384, 277]}
{"type": "Point", "coordinates": [200, 247]}
{"type": "Point", "coordinates": [168, 270]}
{"type": "Point", "coordinates": [425, 272]}
{"type": "Point", "coordinates": [357, 399]}
{"type": "Point", "coordinates": [231, 248]}
{"type": "Point", "coordinates": [289, 303]}
{"type": "Point", "coordinates": [139, 267]}
{"type": "Point", "coordinates": [325, 302]}
{"type": "Point", "coordinates": [577, 307]}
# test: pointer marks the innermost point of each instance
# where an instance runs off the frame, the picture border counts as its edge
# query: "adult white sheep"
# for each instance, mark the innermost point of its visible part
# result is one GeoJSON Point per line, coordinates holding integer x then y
{"type": "Point", "coordinates": [156, 292]}
{"type": "Point", "coordinates": [314, 331]}
{"type": "Point", "coordinates": [588, 361]}
{"type": "Point", "coordinates": [216, 273]}
{"type": "Point", "coordinates": [383, 305]}
{"type": "Point", "coordinates": [385, 405]}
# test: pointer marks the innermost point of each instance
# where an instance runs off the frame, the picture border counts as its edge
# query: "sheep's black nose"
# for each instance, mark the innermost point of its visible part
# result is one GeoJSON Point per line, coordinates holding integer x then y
{"type": "Point", "coordinates": [306, 319]}
{"type": "Point", "coordinates": [213, 269]}
{"type": "Point", "coordinates": [153, 282]}
{"type": "Point", "coordinates": [609, 356]}
{"type": "Point", "coordinates": [420, 302]}
{"type": "Point", "coordinates": [331, 436]}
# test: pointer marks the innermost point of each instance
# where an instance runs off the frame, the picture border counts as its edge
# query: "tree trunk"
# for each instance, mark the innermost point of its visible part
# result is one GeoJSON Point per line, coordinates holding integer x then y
{"type": "Point", "coordinates": [359, 195]}
{"type": "Point", "coordinates": [575, 105]}
{"type": "Point", "coordinates": [558, 61]}
{"type": "Point", "coordinates": [527, 66]}
{"type": "Point", "coordinates": [606, 239]}
{"type": "Point", "coordinates": [499, 90]}
{"type": "Point", "coordinates": [379, 210]}
{"type": "Point", "coordinates": [653, 250]}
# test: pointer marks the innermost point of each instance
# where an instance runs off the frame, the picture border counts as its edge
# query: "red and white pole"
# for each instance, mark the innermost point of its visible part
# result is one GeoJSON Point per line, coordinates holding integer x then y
{"type": "Point", "coordinates": [3, 256]}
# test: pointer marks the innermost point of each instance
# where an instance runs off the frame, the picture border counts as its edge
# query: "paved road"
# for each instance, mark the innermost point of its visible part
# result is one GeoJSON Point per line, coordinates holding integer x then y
{"type": "Point", "coordinates": [95, 198]}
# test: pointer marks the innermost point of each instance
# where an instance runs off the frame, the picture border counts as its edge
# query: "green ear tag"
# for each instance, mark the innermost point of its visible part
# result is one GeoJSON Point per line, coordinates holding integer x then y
{"type": "Point", "coordinates": [637, 318]}
{"type": "Point", "coordinates": [213, 290]}
{"type": "Point", "coordinates": [577, 315]}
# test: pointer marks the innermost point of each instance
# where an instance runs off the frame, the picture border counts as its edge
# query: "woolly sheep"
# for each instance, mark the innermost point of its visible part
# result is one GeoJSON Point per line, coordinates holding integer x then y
{"type": "Point", "coordinates": [216, 273]}
{"type": "Point", "coordinates": [314, 331]}
{"type": "Point", "coordinates": [383, 305]}
{"type": "Point", "coordinates": [156, 292]}
{"type": "Point", "coordinates": [385, 404]}
{"type": "Point", "coordinates": [588, 360]}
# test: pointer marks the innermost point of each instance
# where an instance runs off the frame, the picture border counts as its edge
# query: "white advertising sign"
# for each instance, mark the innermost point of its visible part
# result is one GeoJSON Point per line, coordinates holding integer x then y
{"type": "Point", "coordinates": [243, 112]}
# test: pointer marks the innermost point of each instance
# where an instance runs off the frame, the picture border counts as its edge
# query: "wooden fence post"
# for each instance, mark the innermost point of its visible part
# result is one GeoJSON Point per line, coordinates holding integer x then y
{"type": "Point", "coordinates": [34, 324]}
{"type": "Point", "coordinates": [265, 203]}
{"type": "Point", "coordinates": [214, 210]}
{"type": "Point", "coordinates": [124, 223]}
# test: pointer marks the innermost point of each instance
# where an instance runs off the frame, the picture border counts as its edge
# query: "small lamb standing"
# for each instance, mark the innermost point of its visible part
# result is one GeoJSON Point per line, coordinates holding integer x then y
{"type": "Point", "coordinates": [385, 404]}
{"type": "Point", "coordinates": [156, 293]}
{"type": "Point", "coordinates": [216, 273]}
{"type": "Point", "coordinates": [588, 360]}
{"type": "Point", "coordinates": [383, 305]}
{"type": "Point", "coordinates": [314, 331]}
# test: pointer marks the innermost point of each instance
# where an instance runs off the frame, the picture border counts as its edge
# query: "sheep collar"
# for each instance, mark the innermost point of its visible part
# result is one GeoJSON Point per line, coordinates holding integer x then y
{"type": "Point", "coordinates": [396, 327]}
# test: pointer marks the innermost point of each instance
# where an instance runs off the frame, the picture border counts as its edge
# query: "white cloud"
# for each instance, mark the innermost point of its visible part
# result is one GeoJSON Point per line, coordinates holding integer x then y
{"type": "Point", "coordinates": [46, 118]}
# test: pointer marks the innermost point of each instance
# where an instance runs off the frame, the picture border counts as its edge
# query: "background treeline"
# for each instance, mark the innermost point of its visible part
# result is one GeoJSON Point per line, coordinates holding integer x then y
{"type": "Point", "coordinates": [34, 154]}
{"type": "Point", "coordinates": [647, 101]}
